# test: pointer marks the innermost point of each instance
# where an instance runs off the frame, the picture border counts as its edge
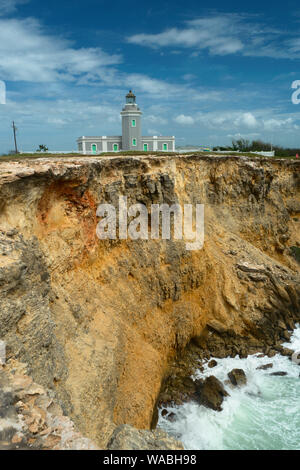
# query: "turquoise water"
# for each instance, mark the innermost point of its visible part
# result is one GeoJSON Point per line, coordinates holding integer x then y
{"type": "Point", "coordinates": [264, 414]}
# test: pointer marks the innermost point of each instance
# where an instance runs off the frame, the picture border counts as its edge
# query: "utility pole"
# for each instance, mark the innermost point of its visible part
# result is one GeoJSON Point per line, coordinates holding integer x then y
{"type": "Point", "coordinates": [15, 137]}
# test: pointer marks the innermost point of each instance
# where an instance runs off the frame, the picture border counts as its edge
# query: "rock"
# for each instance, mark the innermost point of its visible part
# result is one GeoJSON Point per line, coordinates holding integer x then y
{"type": "Point", "coordinates": [27, 420]}
{"type": "Point", "coordinates": [257, 277]}
{"type": "Point", "coordinates": [237, 377]}
{"type": "Point", "coordinates": [265, 366]}
{"type": "Point", "coordinates": [212, 363]}
{"type": "Point", "coordinates": [216, 326]}
{"type": "Point", "coordinates": [286, 335]}
{"type": "Point", "coordinates": [286, 352]}
{"type": "Point", "coordinates": [189, 384]}
{"type": "Point", "coordinates": [251, 268]}
{"type": "Point", "coordinates": [126, 437]}
{"type": "Point", "coordinates": [280, 373]}
{"type": "Point", "coordinates": [171, 417]}
{"type": "Point", "coordinates": [210, 393]}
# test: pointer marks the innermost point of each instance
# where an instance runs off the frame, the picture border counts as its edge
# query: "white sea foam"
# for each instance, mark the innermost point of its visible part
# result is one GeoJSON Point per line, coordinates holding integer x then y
{"type": "Point", "coordinates": [264, 414]}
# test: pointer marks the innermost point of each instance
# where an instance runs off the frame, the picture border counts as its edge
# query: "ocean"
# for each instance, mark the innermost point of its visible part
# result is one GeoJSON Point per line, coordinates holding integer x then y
{"type": "Point", "coordinates": [262, 415]}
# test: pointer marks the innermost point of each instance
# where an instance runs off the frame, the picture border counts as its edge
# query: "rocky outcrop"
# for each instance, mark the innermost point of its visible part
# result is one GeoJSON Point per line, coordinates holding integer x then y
{"type": "Point", "coordinates": [210, 393]}
{"type": "Point", "coordinates": [265, 366]}
{"type": "Point", "coordinates": [279, 373]}
{"type": "Point", "coordinates": [237, 377]}
{"type": "Point", "coordinates": [30, 419]}
{"type": "Point", "coordinates": [126, 437]}
{"type": "Point", "coordinates": [212, 363]}
{"type": "Point", "coordinates": [99, 323]}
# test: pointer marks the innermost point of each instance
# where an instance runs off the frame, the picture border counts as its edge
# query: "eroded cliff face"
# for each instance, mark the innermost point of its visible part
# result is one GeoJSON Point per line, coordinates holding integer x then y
{"type": "Point", "coordinates": [99, 322]}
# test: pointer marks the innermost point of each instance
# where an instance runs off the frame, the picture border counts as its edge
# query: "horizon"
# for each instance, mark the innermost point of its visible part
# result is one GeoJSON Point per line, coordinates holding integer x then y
{"type": "Point", "coordinates": [205, 75]}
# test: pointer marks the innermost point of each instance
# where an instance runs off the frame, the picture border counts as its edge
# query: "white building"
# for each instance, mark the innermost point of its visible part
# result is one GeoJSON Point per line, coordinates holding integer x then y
{"type": "Point", "coordinates": [131, 138]}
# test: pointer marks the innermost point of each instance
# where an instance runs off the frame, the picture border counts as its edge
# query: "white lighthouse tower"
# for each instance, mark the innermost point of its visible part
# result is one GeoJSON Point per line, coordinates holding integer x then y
{"type": "Point", "coordinates": [131, 124]}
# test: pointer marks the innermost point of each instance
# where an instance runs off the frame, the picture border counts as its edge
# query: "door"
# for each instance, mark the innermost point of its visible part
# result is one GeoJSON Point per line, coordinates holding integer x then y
{"type": "Point", "coordinates": [94, 149]}
{"type": "Point", "coordinates": [145, 147]}
{"type": "Point", "coordinates": [115, 147]}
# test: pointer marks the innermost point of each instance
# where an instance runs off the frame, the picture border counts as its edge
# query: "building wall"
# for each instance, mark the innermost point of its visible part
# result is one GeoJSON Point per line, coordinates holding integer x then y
{"type": "Point", "coordinates": [157, 143]}
{"type": "Point", "coordinates": [88, 145]}
{"type": "Point", "coordinates": [111, 141]}
{"type": "Point", "coordinates": [149, 142]}
{"type": "Point", "coordinates": [162, 142]}
{"type": "Point", "coordinates": [104, 144]}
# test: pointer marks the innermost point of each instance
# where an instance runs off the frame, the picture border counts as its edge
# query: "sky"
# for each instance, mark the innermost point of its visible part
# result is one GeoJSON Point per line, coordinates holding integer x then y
{"type": "Point", "coordinates": [206, 72]}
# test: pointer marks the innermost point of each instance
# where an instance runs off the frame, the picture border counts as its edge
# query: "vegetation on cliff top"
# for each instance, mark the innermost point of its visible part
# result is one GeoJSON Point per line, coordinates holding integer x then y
{"type": "Point", "coordinates": [244, 145]}
{"type": "Point", "coordinates": [33, 156]}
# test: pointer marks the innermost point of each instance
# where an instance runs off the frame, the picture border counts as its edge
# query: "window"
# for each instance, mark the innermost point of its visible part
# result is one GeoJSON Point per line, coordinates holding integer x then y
{"type": "Point", "coordinates": [165, 146]}
{"type": "Point", "coordinates": [133, 123]}
{"type": "Point", "coordinates": [145, 147]}
{"type": "Point", "coordinates": [134, 142]}
{"type": "Point", "coordinates": [116, 147]}
{"type": "Point", "coordinates": [94, 148]}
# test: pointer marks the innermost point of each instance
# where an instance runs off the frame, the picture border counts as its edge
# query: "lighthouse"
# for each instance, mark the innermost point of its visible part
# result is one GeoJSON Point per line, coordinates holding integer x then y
{"type": "Point", "coordinates": [131, 138]}
{"type": "Point", "coordinates": [131, 124]}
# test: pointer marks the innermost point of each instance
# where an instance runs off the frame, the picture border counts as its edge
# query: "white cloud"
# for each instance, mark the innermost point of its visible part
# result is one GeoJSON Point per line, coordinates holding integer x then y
{"type": "Point", "coordinates": [189, 76]}
{"type": "Point", "coordinates": [225, 34]}
{"type": "Point", "coordinates": [9, 6]}
{"type": "Point", "coordinates": [215, 34]}
{"type": "Point", "coordinates": [247, 120]}
{"type": "Point", "coordinates": [184, 120]}
{"type": "Point", "coordinates": [57, 121]}
{"type": "Point", "coordinates": [155, 119]}
{"type": "Point", "coordinates": [274, 124]}
{"type": "Point", "coordinates": [241, 121]}
{"type": "Point", "coordinates": [153, 132]}
{"type": "Point", "coordinates": [252, 135]}
{"type": "Point", "coordinates": [28, 54]}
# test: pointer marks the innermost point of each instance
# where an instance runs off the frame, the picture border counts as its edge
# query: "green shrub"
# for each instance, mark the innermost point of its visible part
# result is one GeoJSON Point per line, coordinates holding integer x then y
{"type": "Point", "coordinates": [295, 252]}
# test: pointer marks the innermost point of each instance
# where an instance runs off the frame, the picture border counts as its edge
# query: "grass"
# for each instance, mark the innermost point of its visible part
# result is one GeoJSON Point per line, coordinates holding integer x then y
{"type": "Point", "coordinates": [32, 156]}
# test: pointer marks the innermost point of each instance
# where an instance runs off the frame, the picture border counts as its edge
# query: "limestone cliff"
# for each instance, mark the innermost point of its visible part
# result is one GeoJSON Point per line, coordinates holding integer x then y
{"type": "Point", "coordinates": [98, 322]}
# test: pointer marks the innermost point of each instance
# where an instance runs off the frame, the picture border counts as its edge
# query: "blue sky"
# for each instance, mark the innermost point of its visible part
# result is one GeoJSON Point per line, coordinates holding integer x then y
{"type": "Point", "coordinates": [204, 72]}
